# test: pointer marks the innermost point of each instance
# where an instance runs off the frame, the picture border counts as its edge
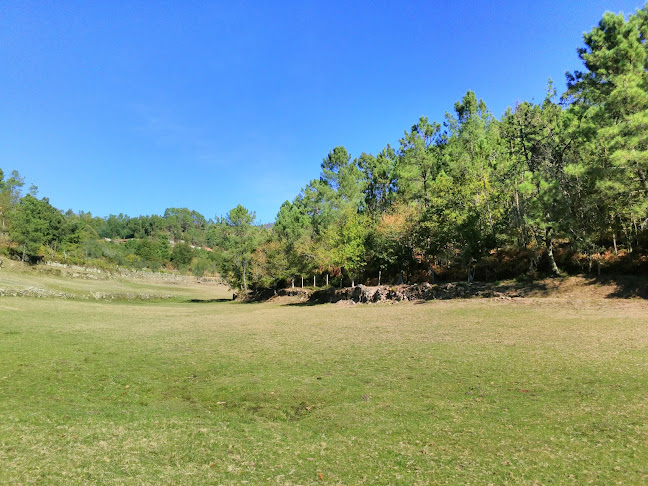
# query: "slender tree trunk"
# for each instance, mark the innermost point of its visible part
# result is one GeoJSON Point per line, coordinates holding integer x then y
{"type": "Point", "coordinates": [552, 260]}
{"type": "Point", "coordinates": [327, 279]}
{"type": "Point", "coordinates": [520, 218]}
{"type": "Point", "coordinates": [533, 264]}
{"type": "Point", "coordinates": [379, 275]}
{"type": "Point", "coordinates": [598, 266]}
{"type": "Point", "coordinates": [425, 196]}
{"type": "Point", "coordinates": [302, 281]}
{"type": "Point", "coordinates": [614, 243]}
{"type": "Point", "coordinates": [628, 237]}
{"type": "Point", "coordinates": [488, 208]}
{"type": "Point", "coordinates": [643, 178]}
{"type": "Point", "coordinates": [244, 279]}
{"type": "Point", "coordinates": [314, 281]}
{"type": "Point", "coordinates": [292, 282]}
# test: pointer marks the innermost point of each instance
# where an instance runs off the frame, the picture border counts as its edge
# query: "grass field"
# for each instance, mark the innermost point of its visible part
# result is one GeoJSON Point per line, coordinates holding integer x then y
{"type": "Point", "coordinates": [16, 277]}
{"type": "Point", "coordinates": [530, 391]}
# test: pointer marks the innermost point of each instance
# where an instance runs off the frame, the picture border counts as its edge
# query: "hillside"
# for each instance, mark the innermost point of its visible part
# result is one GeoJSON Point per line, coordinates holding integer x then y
{"type": "Point", "coordinates": [73, 282]}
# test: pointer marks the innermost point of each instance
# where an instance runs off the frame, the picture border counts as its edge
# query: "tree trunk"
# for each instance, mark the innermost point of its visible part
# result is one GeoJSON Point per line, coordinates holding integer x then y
{"type": "Point", "coordinates": [292, 282]}
{"type": "Point", "coordinates": [598, 266]}
{"type": "Point", "coordinates": [552, 261]}
{"type": "Point", "coordinates": [244, 279]}
{"type": "Point", "coordinates": [314, 281]}
{"type": "Point", "coordinates": [533, 264]}
{"type": "Point", "coordinates": [379, 275]}
{"type": "Point", "coordinates": [519, 218]}
{"type": "Point", "coordinates": [302, 281]}
{"type": "Point", "coordinates": [615, 244]}
{"type": "Point", "coordinates": [628, 236]}
{"type": "Point", "coordinates": [327, 279]}
{"type": "Point", "coordinates": [400, 278]}
{"type": "Point", "coordinates": [643, 178]}
{"type": "Point", "coordinates": [426, 203]}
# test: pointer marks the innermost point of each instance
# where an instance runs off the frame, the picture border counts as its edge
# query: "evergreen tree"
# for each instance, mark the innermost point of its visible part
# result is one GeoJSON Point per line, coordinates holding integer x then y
{"type": "Point", "coordinates": [238, 239]}
{"type": "Point", "coordinates": [35, 224]}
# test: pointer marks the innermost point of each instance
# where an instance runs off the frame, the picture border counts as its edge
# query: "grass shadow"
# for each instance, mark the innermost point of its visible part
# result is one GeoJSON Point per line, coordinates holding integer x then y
{"type": "Point", "coordinates": [625, 286]}
{"type": "Point", "coordinates": [207, 301]}
{"type": "Point", "coordinates": [523, 286]}
{"type": "Point", "coordinates": [308, 303]}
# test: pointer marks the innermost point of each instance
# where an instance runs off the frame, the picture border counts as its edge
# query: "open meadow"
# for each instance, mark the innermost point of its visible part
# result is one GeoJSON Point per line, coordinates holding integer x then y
{"type": "Point", "coordinates": [481, 391]}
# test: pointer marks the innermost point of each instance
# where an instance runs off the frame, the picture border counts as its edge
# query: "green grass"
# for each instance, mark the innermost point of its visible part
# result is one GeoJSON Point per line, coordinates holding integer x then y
{"type": "Point", "coordinates": [18, 277]}
{"type": "Point", "coordinates": [462, 392]}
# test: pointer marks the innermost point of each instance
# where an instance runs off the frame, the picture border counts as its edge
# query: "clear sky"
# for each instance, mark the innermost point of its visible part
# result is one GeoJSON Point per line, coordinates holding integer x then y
{"type": "Point", "coordinates": [133, 107]}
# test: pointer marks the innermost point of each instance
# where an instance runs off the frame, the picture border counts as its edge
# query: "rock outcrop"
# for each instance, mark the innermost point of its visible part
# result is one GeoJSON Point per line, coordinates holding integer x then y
{"type": "Point", "coordinates": [385, 293]}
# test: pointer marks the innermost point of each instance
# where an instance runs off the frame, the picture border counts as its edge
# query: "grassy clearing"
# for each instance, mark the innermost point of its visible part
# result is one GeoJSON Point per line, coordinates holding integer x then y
{"type": "Point", "coordinates": [19, 277]}
{"type": "Point", "coordinates": [462, 392]}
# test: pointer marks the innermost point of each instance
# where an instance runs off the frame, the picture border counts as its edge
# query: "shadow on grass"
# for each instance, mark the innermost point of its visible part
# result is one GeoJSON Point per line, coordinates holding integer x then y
{"type": "Point", "coordinates": [308, 303]}
{"type": "Point", "coordinates": [617, 286]}
{"type": "Point", "coordinates": [521, 286]}
{"type": "Point", "coordinates": [624, 286]}
{"type": "Point", "coordinates": [207, 301]}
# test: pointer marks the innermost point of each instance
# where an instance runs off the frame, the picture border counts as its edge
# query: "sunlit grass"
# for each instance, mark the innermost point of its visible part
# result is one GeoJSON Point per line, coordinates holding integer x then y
{"type": "Point", "coordinates": [461, 392]}
{"type": "Point", "coordinates": [19, 277]}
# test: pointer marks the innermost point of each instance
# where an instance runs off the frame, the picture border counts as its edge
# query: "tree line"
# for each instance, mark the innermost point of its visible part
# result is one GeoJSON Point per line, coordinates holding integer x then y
{"type": "Point", "coordinates": [559, 185]}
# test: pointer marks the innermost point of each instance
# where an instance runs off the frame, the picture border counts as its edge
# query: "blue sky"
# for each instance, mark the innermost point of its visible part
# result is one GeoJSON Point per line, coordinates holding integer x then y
{"type": "Point", "coordinates": [133, 107]}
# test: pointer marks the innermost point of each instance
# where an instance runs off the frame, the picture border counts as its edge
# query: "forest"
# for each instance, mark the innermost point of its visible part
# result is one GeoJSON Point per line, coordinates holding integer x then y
{"type": "Point", "coordinates": [555, 187]}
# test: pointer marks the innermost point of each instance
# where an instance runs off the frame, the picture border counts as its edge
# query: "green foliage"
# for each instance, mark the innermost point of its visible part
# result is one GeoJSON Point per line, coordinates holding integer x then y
{"type": "Point", "coordinates": [343, 178]}
{"type": "Point", "coordinates": [34, 225]}
{"type": "Point", "coordinates": [380, 179]}
{"type": "Point", "coordinates": [610, 101]}
{"type": "Point", "coordinates": [10, 190]}
{"type": "Point", "coordinates": [345, 243]}
{"type": "Point", "coordinates": [421, 160]}
{"type": "Point", "coordinates": [237, 237]}
{"type": "Point", "coordinates": [393, 240]}
{"type": "Point", "coordinates": [181, 255]}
